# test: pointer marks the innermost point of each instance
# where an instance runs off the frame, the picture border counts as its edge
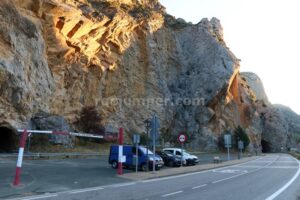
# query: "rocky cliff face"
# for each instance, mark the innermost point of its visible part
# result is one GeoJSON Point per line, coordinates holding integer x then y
{"type": "Point", "coordinates": [130, 60]}
{"type": "Point", "coordinates": [280, 129]}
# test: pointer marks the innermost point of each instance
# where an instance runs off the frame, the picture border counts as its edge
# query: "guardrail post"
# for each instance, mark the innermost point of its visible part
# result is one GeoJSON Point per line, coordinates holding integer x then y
{"type": "Point", "coordinates": [20, 158]}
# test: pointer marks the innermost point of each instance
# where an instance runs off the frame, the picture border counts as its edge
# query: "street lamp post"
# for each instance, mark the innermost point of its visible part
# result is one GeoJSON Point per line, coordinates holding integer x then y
{"type": "Point", "coordinates": [147, 125]}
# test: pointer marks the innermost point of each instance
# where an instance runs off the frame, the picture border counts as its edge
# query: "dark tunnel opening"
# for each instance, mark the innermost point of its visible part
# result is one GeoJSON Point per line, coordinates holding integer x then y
{"type": "Point", "coordinates": [266, 146]}
{"type": "Point", "coordinates": [8, 139]}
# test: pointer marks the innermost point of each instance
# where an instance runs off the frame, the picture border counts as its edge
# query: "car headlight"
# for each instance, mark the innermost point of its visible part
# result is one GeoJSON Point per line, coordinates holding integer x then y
{"type": "Point", "coordinates": [151, 159]}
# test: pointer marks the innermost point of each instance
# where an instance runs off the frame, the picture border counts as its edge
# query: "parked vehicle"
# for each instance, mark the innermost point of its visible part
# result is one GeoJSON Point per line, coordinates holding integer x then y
{"type": "Point", "coordinates": [190, 159]}
{"type": "Point", "coordinates": [130, 153]}
{"type": "Point", "coordinates": [170, 159]}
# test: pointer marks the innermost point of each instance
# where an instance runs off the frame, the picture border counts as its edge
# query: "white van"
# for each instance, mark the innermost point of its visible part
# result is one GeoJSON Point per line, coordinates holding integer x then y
{"type": "Point", "coordinates": [188, 159]}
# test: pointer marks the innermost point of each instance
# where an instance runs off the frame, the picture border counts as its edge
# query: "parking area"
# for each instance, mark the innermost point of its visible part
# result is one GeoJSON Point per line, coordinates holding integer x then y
{"type": "Point", "coordinates": [46, 176]}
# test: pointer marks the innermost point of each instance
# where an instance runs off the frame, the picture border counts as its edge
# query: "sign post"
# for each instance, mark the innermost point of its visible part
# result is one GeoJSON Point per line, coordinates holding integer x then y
{"type": "Point", "coordinates": [240, 147]}
{"type": "Point", "coordinates": [182, 139]}
{"type": "Point", "coordinates": [120, 159]}
{"type": "Point", "coordinates": [228, 144]}
{"type": "Point", "coordinates": [154, 133]}
{"type": "Point", "coordinates": [136, 141]}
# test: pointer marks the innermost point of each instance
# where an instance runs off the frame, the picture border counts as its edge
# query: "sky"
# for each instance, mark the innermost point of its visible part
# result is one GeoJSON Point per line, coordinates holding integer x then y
{"type": "Point", "coordinates": [264, 34]}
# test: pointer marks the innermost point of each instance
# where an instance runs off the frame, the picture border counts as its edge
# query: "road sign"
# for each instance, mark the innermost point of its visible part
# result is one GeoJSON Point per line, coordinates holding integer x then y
{"type": "Point", "coordinates": [182, 138]}
{"type": "Point", "coordinates": [227, 141]}
{"type": "Point", "coordinates": [154, 126]}
{"type": "Point", "coordinates": [136, 138]}
{"type": "Point", "coordinates": [241, 145]}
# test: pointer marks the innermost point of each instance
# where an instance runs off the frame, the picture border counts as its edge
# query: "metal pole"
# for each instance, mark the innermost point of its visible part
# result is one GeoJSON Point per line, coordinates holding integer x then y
{"type": "Point", "coordinates": [228, 154]}
{"type": "Point", "coordinates": [147, 129]}
{"type": "Point", "coordinates": [241, 153]}
{"type": "Point", "coordinates": [28, 147]}
{"type": "Point", "coordinates": [181, 154]}
{"type": "Point", "coordinates": [120, 165]}
{"type": "Point", "coordinates": [136, 160]}
{"type": "Point", "coordinates": [154, 143]}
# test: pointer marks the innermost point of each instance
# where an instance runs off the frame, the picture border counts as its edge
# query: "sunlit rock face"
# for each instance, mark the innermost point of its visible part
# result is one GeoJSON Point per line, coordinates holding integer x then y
{"type": "Point", "coordinates": [129, 59]}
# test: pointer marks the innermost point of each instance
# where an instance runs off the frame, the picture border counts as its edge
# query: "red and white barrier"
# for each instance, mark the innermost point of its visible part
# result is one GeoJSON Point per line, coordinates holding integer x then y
{"type": "Point", "coordinates": [120, 159]}
{"type": "Point", "coordinates": [24, 135]}
{"type": "Point", "coordinates": [63, 133]}
{"type": "Point", "coordinates": [20, 157]}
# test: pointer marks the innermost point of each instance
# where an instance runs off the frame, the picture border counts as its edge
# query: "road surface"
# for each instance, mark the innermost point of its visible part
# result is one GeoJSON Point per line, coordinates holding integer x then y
{"type": "Point", "coordinates": [269, 177]}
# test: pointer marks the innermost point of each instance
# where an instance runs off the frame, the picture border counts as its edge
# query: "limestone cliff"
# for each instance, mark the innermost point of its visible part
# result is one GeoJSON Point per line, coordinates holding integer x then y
{"type": "Point", "coordinates": [280, 129]}
{"type": "Point", "coordinates": [58, 56]}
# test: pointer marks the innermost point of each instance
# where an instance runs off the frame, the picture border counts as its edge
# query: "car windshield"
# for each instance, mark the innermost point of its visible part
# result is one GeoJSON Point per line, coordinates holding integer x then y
{"type": "Point", "coordinates": [186, 153]}
{"type": "Point", "coordinates": [144, 150]}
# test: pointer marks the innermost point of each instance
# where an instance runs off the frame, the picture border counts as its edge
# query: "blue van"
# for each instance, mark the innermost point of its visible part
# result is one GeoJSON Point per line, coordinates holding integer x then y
{"type": "Point", "coordinates": [129, 152]}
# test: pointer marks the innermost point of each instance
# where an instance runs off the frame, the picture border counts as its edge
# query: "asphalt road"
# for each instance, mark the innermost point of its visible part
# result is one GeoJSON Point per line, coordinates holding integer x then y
{"type": "Point", "coordinates": [58, 175]}
{"type": "Point", "coordinates": [270, 177]}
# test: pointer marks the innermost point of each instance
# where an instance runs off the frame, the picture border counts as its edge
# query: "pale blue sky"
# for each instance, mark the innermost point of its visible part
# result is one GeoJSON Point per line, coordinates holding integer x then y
{"type": "Point", "coordinates": [264, 34]}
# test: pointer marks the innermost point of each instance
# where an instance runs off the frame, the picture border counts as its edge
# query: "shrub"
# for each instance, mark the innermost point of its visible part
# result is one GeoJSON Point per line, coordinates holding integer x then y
{"type": "Point", "coordinates": [90, 121]}
{"type": "Point", "coordinates": [240, 134]}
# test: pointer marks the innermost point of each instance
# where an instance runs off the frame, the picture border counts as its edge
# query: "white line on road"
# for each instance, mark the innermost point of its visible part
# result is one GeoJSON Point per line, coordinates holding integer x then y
{"type": "Point", "coordinates": [276, 161]}
{"type": "Point", "coordinates": [260, 167]}
{"type": "Point", "coordinates": [36, 197]}
{"type": "Point", "coordinates": [199, 186]}
{"type": "Point", "coordinates": [85, 190]}
{"type": "Point", "coordinates": [193, 173]}
{"type": "Point", "coordinates": [125, 184]}
{"type": "Point", "coordinates": [228, 178]}
{"type": "Point", "coordinates": [268, 167]}
{"type": "Point", "coordinates": [278, 192]}
{"type": "Point", "coordinates": [173, 193]}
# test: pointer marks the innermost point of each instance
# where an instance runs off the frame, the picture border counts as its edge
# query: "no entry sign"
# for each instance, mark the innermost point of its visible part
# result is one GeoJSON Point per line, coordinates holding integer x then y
{"type": "Point", "coordinates": [182, 138]}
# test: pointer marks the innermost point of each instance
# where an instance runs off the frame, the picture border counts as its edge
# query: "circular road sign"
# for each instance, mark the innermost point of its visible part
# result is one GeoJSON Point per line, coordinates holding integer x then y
{"type": "Point", "coordinates": [182, 138]}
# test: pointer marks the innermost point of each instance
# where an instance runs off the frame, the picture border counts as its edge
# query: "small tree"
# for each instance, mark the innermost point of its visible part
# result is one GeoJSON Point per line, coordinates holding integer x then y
{"type": "Point", "coordinates": [90, 121]}
{"type": "Point", "coordinates": [240, 134]}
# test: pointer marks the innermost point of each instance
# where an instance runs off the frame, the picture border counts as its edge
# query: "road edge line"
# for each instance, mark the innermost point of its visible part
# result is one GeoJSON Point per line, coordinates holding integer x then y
{"type": "Point", "coordinates": [283, 188]}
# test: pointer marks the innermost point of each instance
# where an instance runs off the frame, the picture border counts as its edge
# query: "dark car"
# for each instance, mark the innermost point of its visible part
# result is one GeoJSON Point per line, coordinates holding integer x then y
{"type": "Point", "coordinates": [129, 153]}
{"type": "Point", "coordinates": [170, 159]}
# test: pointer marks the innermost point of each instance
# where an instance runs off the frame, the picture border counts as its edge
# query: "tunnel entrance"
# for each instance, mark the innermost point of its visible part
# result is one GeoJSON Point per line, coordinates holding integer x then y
{"type": "Point", "coordinates": [8, 139]}
{"type": "Point", "coordinates": [266, 146]}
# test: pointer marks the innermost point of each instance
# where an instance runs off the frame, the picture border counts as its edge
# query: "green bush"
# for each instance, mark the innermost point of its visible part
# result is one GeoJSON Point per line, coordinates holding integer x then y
{"type": "Point", "coordinates": [240, 134]}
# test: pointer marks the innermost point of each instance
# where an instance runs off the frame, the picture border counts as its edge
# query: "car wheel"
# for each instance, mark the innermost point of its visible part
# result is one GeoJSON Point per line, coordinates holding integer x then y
{"type": "Point", "coordinates": [144, 167]}
{"type": "Point", "coordinates": [171, 163]}
{"type": "Point", "coordinates": [114, 164]}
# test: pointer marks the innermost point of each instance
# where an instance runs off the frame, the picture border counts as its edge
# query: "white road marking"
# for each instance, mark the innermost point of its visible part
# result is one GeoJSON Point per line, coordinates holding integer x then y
{"type": "Point", "coordinates": [199, 186]}
{"type": "Point", "coordinates": [278, 192]}
{"type": "Point", "coordinates": [173, 193]}
{"type": "Point", "coordinates": [36, 197]}
{"type": "Point", "coordinates": [269, 167]}
{"type": "Point", "coordinates": [85, 190]}
{"type": "Point", "coordinates": [125, 184]}
{"type": "Point", "coordinates": [260, 167]}
{"type": "Point", "coordinates": [194, 173]}
{"type": "Point", "coordinates": [230, 171]}
{"type": "Point", "coordinates": [276, 161]}
{"type": "Point", "coordinates": [228, 178]}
